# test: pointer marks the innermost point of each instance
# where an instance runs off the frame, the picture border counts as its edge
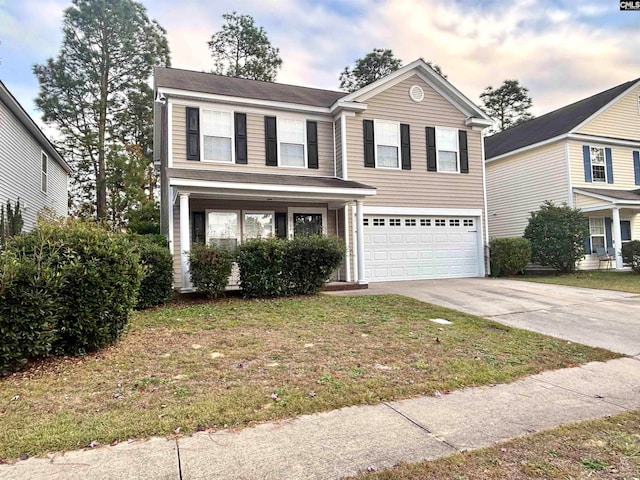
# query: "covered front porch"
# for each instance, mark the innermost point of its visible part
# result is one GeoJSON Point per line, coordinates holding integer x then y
{"type": "Point", "coordinates": [228, 208]}
{"type": "Point", "coordinates": [614, 219]}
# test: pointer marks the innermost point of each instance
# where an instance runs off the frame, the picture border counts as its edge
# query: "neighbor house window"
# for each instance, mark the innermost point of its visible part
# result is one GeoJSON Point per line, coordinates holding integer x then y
{"type": "Point", "coordinates": [447, 144]}
{"type": "Point", "coordinates": [217, 136]}
{"type": "Point", "coordinates": [598, 165]}
{"type": "Point", "coordinates": [44, 170]}
{"type": "Point", "coordinates": [596, 228]}
{"type": "Point", "coordinates": [258, 225]}
{"type": "Point", "coordinates": [292, 144]}
{"type": "Point", "coordinates": [387, 135]}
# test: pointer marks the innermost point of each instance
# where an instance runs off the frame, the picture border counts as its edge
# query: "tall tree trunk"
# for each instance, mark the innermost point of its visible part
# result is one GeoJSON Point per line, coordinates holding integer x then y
{"type": "Point", "coordinates": [101, 178]}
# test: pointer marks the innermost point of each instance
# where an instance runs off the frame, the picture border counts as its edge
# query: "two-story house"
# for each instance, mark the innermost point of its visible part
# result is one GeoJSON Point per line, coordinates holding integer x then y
{"type": "Point", "coordinates": [30, 167]}
{"type": "Point", "coordinates": [586, 154]}
{"type": "Point", "coordinates": [395, 169]}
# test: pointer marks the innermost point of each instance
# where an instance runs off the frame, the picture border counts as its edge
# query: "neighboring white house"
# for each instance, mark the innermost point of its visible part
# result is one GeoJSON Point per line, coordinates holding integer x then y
{"type": "Point", "coordinates": [30, 167]}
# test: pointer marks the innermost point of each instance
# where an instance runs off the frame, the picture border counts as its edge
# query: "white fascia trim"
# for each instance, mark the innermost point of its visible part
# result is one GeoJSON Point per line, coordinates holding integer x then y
{"type": "Point", "coordinates": [603, 140]}
{"type": "Point", "coordinates": [170, 133]}
{"type": "Point", "coordinates": [404, 211]}
{"type": "Point", "coordinates": [596, 208]}
{"type": "Point", "coordinates": [614, 201]}
{"type": "Point", "coordinates": [484, 199]}
{"type": "Point", "coordinates": [528, 147]}
{"type": "Point", "coordinates": [568, 162]}
{"type": "Point", "coordinates": [610, 104]}
{"type": "Point", "coordinates": [341, 105]}
{"type": "Point", "coordinates": [244, 101]}
{"type": "Point", "coordinates": [343, 141]}
{"type": "Point", "coordinates": [478, 122]}
{"type": "Point", "coordinates": [358, 192]}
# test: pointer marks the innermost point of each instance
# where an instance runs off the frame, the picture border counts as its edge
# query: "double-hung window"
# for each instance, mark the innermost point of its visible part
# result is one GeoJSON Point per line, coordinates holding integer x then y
{"type": "Point", "coordinates": [291, 135]}
{"type": "Point", "coordinates": [598, 165]}
{"type": "Point", "coordinates": [447, 144]}
{"type": "Point", "coordinates": [597, 232]}
{"type": "Point", "coordinates": [217, 136]}
{"type": "Point", "coordinates": [44, 168]}
{"type": "Point", "coordinates": [387, 135]}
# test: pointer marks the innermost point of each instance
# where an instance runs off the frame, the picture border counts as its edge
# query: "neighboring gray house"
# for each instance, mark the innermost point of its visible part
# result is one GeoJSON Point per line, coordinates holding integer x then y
{"type": "Point", "coordinates": [30, 167]}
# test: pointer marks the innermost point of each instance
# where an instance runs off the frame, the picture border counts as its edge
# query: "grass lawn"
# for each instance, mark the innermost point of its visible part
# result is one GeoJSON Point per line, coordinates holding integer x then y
{"type": "Point", "coordinates": [601, 279]}
{"type": "Point", "coordinates": [236, 362]}
{"type": "Point", "coordinates": [598, 449]}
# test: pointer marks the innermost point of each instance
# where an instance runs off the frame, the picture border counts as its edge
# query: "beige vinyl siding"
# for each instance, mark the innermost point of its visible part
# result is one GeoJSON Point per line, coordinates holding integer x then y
{"type": "Point", "coordinates": [621, 160]}
{"type": "Point", "coordinates": [21, 172]}
{"type": "Point", "coordinates": [416, 187]}
{"type": "Point", "coordinates": [255, 146]}
{"type": "Point", "coordinates": [583, 201]}
{"type": "Point", "coordinates": [519, 184]}
{"type": "Point", "coordinates": [620, 120]}
{"type": "Point", "coordinates": [338, 148]}
{"type": "Point", "coordinates": [202, 204]}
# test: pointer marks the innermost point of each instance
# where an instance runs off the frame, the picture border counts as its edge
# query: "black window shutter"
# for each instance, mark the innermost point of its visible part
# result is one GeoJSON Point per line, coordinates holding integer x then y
{"type": "Point", "coordinates": [369, 144]}
{"type": "Point", "coordinates": [193, 133]}
{"type": "Point", "coordinates": [405, 146]}
{"type": "Point", "coordinates": [464, 152]}
{"type": "Point", "coordinates": [197, 228]}
{"type": "Point", "coordinates": [240, 123]}
{"type": "Point", "coordinates": [312, 144]}
{"type": "Point", "coordinates": [431, 149]}
{"type": "Point", "coordinates": [281, 225]}
{"type": "Point", "coordinates": [271, 141]}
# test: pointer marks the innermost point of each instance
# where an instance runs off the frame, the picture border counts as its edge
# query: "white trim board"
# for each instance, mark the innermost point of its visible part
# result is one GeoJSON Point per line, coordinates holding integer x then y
{"type": "Point", "coordinates": [410, 211]}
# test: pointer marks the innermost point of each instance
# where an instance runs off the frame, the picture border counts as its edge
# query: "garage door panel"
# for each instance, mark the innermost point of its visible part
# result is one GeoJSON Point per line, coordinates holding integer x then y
{"type": "Point", "coordinates": [415, 250]}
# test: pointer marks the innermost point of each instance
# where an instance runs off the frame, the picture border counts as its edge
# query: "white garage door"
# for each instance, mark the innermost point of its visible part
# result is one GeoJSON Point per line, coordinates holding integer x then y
{"type": "Point", "coordinates": [412, 247]}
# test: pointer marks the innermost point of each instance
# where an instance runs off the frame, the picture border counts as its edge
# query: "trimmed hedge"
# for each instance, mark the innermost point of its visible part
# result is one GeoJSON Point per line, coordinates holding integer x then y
{"type": "Point", "coordinates": [157, 264]}
{"type": "Point", "coordinates": [209, 268]}
{"type": "Point", "coordinates": [99, 276]}
{"type": "Point", "coordinates": [509, 256]}
{"type": "Point", "coordinates": [631, 255]}
{"type": "Point", "coordinates": [273, 267]}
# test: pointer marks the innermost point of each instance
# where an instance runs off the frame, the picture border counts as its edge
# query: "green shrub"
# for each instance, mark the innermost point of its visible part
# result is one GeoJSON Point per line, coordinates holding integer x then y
{"type": "Point", "coordinates": [99, 276]}
{"type": "Point", "coordinates": [509, 256]}
{"type": "Point", "coordinates": [157, 264]}
{"type": "Point", "coordinates": [27, 310]}
{"type": "Point", "coordinates": [557, 235]}
{"type": "Point", "coordinates": [311, 260]}
{"type": "Point", "coordinates": [209, 268]}
{"type": "Point", "coordinates": [263, 268]}
{"type": "Point", "coordinates": [631, 255]}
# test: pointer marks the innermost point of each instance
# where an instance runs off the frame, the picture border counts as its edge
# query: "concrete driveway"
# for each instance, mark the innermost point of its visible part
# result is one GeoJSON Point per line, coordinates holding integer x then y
{"type": "Point", "coordinates": [599, 318]}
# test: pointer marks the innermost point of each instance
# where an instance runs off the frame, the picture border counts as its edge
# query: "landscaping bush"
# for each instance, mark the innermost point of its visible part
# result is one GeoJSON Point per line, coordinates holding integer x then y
{"type": "Point", "coordinates": [209, 268]}
{"type": "Point", "coordinates": [631, 255]}
{"type": "Point", "coordinates": [557, 235]}
{"type": "Point", "coordinates": [509, 256]}
{"type": "Point", "coordinates": [27, 310]}
{"type": "Point", "coordinates": [311, 260]}
{"type": "Point", "coordinates": [263, 267]}
{"type": "Point", "coordinates": [99, 276]}
{"type": "Point", "coordinates": [157, 264]}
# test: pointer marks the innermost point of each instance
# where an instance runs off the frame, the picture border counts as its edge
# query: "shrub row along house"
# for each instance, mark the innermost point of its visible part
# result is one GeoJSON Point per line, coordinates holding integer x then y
{"type": "Point", "coordinates": [30, 167]}
{"type": "Point", "coordinates": [395, 169]}
{"type": "Point", "coordinates": [586, 154]}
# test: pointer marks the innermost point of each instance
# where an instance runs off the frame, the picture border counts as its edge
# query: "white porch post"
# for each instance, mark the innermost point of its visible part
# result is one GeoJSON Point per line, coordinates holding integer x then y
{"type": "Point", "coordinates": [360, 242]}
{"type": "Point", "coordinates": [185, 239]}
{"type": "Point", "coordinates": [617, 236]}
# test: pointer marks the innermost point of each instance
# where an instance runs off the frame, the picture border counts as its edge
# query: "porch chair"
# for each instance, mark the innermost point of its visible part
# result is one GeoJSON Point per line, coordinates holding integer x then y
{"type": "Point", "coordinates": [604, 256]}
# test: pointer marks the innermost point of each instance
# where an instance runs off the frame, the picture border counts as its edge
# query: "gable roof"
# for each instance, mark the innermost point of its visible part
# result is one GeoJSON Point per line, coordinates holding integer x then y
{"type": "Point", "coordinates": [211, 83]}
{"type": "Point", "coordinates": [23, 117]}
{"type": "Point", "coordinates": [552, 124]}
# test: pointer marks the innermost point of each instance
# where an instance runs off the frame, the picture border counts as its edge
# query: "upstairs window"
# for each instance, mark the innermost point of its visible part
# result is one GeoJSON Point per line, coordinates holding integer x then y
{"type": "Point", "coordinates": [447, 145]}
{"type": "Point", "coordinates": [217, 136]}
{"type": "Point", "coordinates": [387, 137]}
{"type": "Point", "coordinates": [44, 172]}
{"type": "Point", "coordinates": [292, 144]}
{"type": "Point", "coordinates": [598, 165]}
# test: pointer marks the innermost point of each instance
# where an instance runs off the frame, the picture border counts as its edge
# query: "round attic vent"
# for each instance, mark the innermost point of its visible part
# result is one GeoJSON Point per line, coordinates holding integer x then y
{"type": "Point", "coordinates": [416, 93]}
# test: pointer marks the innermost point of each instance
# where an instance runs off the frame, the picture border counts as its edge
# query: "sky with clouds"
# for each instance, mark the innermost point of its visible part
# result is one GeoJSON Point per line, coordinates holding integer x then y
{"type": "Point", "coordinates": [562, 50]}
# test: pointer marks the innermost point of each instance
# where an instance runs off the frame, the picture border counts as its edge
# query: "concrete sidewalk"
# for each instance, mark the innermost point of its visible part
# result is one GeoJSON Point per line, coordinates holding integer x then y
{"type": "Point", "coordinates": [345, 442]}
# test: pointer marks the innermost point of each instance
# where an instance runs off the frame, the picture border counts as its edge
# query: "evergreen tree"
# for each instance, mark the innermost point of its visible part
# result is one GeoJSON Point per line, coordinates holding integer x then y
{"type": "Point", "coordinates": [509, 104]}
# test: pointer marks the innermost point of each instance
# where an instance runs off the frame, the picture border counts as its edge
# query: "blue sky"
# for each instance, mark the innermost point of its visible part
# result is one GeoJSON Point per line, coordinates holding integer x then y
{"type": "Point", "coordinates": [562, 50]}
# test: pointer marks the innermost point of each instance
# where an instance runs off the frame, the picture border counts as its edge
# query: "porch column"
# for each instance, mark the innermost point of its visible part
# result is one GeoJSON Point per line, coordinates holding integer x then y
{"type": "Point", "coordinates": [360, 242]}
{"type": "Point", "coordinates": [617, 235]}
{"type": "Point", "coordinates": [185, 239]}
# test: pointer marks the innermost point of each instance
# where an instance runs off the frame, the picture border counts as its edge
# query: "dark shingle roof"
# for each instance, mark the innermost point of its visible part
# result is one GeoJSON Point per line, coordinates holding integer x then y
{"type": "Point", "coordinates": [633, 195]}
{"type": "Point", "coordinates": [552, 124]}
{"type": "Point", "coordinates": [240, 87]}
{"type": "Point", "coordinates": [263, 178]}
